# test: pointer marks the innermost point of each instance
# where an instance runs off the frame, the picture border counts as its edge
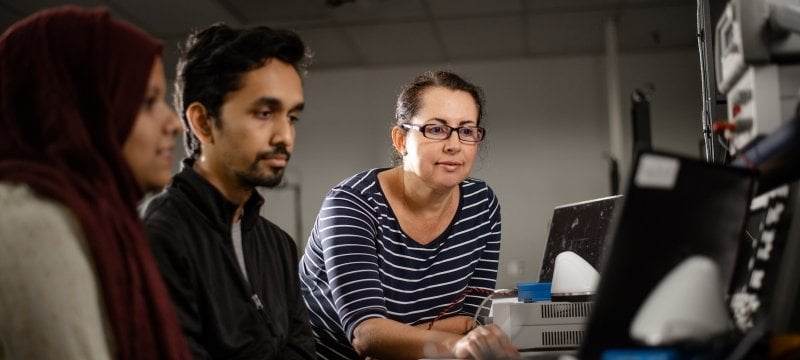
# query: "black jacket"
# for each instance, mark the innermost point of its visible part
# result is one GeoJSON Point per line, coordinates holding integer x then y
{"type": "Point", "coordinates": [223, 315]}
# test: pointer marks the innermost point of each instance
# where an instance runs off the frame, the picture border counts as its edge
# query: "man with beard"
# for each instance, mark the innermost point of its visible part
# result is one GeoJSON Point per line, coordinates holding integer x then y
{"type": "Point", "coordinates": [232, 274]}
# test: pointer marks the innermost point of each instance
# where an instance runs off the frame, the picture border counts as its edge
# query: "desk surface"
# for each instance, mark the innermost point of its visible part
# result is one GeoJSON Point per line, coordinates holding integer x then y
{"type": "Point", "coordinates": [545, 355]}
{"type": "Point", "coordinates": [541, 355]}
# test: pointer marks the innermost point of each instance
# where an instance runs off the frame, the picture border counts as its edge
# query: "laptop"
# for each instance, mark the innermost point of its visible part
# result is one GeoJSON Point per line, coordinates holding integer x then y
{"type": "Point", "coordinates": [674, 207]}
{"type": "Point", "coordinates": [581, 228]}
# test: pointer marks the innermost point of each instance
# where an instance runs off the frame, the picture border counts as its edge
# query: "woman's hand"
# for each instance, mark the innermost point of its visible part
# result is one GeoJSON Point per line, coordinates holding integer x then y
{"type": "Point", "coordinates": [485, 342]}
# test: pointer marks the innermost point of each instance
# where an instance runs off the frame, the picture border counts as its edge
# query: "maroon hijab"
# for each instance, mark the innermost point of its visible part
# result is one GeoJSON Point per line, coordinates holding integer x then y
{"type": "Point", "coordinates": [71, 84]}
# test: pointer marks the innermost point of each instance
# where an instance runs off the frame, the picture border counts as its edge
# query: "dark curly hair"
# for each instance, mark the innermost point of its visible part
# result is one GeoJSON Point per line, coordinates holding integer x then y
{"type": "Point", "coordinates": [213, 61]}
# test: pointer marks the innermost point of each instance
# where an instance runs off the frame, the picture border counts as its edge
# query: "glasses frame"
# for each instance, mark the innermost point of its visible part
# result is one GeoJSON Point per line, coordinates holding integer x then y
{"type": "Point", "coordinates": [421, 129]}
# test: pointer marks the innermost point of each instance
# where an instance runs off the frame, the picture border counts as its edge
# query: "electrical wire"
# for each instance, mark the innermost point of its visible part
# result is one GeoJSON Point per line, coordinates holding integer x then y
{"type": "Point", "coordinates": [724, 147]}
{"type": "Point", "coordinates": [750, 164]}
{"type": "Point", "coordinates": [489, 294]}
{"type": "Point", "coordinates": [708, 96]}
{"type": "Point", "coordinates": [458, 300]}
{"type": "Point", "coordinates": [496, 293]}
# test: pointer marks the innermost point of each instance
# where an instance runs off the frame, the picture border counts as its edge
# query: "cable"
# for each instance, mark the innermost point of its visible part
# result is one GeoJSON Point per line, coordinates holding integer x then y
{"type": "Point", "coordinates": [719, 128]}
{"type": "Point", "coordinates": [749, 162]}
{"type": "Point", "coordinates": [498, 292]}
{"type": "Point", "coordinates": [489, 295]}
{"type": "Point", "coordinates": [708, 96]}
{"type": "Point", "coordinates": [458, 300]}
{"type": "Point", "coordinates": [723, 145]}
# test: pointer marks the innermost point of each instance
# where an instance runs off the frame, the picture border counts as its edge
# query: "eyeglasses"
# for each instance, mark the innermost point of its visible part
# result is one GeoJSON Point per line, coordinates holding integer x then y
{"type": "Point", "coordinates": [442, 132]}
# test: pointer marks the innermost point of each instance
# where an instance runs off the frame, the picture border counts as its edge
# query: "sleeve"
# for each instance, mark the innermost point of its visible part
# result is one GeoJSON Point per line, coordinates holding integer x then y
{"type": "Point", "coordinates": [300, 342]}
{"type": "Point", "coordinates": [51, 302]}
{"type": "Point", "coordinates": [485, 275]}
{"type": "Point", "coordinates": [175, 267]}
{"type": "Point", "coordinates": [347, 229]}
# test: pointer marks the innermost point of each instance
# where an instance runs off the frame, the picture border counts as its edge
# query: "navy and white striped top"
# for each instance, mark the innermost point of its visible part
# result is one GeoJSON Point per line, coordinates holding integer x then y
{"type": "Point", "coordinates": [359, 264]}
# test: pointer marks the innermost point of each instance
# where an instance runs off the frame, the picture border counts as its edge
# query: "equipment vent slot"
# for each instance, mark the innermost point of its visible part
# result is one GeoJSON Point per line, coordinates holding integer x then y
{"type": "Point", "coordinates": [562, 338]}
{"type": "Point", "coordinates": [566, 310]}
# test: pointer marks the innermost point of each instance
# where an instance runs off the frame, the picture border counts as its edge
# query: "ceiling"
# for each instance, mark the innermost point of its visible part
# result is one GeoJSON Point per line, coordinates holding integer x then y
{"type": "Point", "coordinates": [365, 33]}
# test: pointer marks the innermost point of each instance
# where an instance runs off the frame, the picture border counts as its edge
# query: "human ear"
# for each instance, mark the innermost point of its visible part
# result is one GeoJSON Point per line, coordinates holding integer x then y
{"type": "Point", "coordinates": [399, 140]}
{"type": "Point", "coordinates": [200, 122]}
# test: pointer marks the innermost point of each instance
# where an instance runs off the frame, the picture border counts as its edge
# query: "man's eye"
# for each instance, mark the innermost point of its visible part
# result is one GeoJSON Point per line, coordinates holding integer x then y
{"type": "Point", "coordinates": [263, 114]}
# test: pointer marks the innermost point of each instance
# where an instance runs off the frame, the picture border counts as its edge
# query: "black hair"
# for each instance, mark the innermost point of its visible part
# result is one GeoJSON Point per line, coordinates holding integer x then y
{"type": "Point", "coordinates": [213, 61]}
{"type": "Point", "coordinates": [410, 100]}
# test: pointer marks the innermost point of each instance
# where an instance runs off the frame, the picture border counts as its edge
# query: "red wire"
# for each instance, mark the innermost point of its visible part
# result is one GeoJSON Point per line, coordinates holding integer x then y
{"type": "Point", "coordinates": [458, 300]}
{"type": "Point", "coordinates": [721, 126]}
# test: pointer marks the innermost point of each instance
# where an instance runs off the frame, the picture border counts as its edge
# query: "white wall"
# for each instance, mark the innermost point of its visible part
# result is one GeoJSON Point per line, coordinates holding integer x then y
{"type": "Point", "coordinates": [547, 134]}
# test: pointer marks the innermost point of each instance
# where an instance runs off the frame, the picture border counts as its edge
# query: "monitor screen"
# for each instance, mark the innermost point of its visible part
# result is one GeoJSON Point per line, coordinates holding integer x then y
{"type": "Point", "coordinates": [767, 278]}
{"type": "Point", "coordinates": [580, 228]}
{"type": "Point", "coordinates": [673, 208]}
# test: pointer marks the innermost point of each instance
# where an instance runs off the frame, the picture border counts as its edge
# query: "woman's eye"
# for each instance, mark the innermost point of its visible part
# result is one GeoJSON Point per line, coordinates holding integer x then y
{"type": "Point", "coordinates": [435, 129]}
{"type": "Point", "coordinates": [149, 102]}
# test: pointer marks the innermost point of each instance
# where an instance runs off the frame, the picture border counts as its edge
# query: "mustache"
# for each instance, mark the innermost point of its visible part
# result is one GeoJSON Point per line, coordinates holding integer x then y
{"type": "Point", "coordinates": [280, 149]}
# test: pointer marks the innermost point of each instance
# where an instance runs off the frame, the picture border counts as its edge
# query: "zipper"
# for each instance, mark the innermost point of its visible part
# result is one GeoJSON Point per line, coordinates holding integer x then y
{"type": "Point", "coordinates": [257, 301]}
{"type": "Point", "coordinates": [245, 277]}
{"type": "Point", "coordinates": [254, 298]}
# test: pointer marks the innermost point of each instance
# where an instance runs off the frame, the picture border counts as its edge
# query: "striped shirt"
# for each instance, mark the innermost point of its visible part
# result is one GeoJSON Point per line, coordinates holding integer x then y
{"type": "Point", "coordinates": [359, 264]}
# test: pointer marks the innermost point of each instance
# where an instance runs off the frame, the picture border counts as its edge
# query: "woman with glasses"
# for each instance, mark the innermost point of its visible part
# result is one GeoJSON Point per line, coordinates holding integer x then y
{"type": "Point", "coordinates": [399, 259]}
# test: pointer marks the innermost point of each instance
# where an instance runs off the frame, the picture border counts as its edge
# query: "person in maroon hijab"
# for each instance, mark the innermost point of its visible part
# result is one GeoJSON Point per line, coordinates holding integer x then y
{"type": "Point", "coordinates": [84, 132]}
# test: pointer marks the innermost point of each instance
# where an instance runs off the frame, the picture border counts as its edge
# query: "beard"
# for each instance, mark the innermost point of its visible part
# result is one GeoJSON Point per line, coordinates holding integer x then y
{"type": "Point", "coordinates": [253, 177]}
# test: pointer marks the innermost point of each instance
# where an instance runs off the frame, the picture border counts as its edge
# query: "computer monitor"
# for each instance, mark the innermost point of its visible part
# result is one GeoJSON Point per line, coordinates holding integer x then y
{"type": "Point", "coordinates": [784, 304]}
{"type": "Point", "coordinates": [581, 228]}
{"type": "Point", "coordinates": [674, 207]}
{"type": "Point", "coordinates": [759, 255]}
{"type": "Point", "coordinates": [765, 297]}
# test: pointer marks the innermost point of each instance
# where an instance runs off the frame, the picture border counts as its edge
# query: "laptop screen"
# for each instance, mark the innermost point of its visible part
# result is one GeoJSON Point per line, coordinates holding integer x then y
{"type": "Point", "coordinates": [580, 228]}
{"type": "Point", "coordinates": [673, 208]}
